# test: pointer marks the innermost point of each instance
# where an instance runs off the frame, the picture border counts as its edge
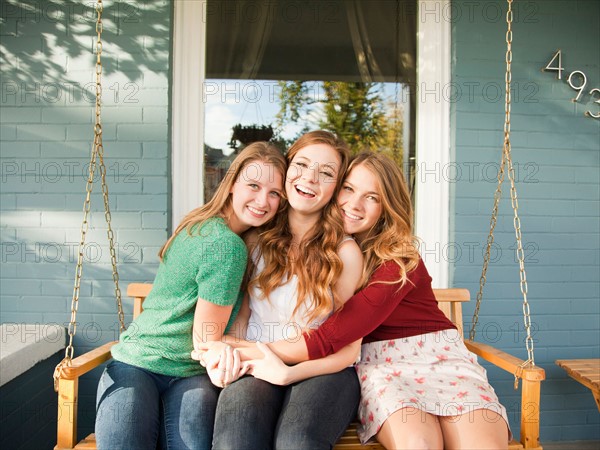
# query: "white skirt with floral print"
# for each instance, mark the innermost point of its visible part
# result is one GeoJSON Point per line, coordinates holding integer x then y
{"type": "Point", "coordinates": [432, 372]}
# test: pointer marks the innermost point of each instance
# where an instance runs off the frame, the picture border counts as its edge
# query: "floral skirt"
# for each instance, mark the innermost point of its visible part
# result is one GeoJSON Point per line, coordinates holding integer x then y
{"type": "Point", "coordinates": [432, 372]}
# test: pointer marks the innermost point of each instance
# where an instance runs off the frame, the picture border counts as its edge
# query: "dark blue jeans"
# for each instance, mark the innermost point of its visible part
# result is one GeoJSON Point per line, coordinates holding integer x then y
{"type": "Point", "coordinates": [138, 409]}
{"type": "Point", "coordinates": [312, 414]}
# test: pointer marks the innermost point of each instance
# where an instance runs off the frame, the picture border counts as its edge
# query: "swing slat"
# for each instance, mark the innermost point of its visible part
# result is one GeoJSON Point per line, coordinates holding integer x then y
{"type": "Point", "coordinates": [450, 302]}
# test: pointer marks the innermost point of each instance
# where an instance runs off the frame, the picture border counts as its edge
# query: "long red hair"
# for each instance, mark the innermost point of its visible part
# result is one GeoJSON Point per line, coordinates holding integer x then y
{"type": "Point", "coordinates": [391, 238]}
{"type": "Point", "coordinates": [314, 260]}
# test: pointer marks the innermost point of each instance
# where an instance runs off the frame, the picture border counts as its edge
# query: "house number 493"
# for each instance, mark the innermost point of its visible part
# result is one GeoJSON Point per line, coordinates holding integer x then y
{"type": "Point", "coordinates": [575, 76]}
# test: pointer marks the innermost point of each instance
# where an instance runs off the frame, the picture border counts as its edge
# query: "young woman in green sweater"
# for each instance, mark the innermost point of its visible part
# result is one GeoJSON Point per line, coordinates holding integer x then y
{"type": "Point", "coordinates": [152, 391]}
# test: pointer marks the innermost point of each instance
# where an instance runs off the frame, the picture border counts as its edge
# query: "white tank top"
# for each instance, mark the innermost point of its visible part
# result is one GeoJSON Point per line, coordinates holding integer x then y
{"type": "Point", "coordinates": [273, 319]}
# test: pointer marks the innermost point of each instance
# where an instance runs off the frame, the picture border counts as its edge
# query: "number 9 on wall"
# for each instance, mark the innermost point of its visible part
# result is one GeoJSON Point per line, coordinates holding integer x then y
{"type": "Point", "coordinates": [576, 80]}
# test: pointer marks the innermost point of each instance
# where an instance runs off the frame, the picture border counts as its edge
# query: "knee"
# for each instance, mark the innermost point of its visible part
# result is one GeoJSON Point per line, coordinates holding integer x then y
{"type": "Point", "coordinates": [223, 441]}
{"type": "Point", "coordinates": [303, 433]}
{"type": "Point", "coordinates": [421, 443]}
{"type": "Point", "coordinates": [299, 440]}
{"type": "Point", "coordinates": [410, 440]}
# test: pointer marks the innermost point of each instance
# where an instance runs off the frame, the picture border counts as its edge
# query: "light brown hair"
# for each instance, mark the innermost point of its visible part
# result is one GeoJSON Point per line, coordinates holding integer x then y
{"type": "Point", "coordinates": [314, 260]}
{"type": "Point", "coordinates": [220, 204]}
{"type": "Point", "coordinates": [391, 238]}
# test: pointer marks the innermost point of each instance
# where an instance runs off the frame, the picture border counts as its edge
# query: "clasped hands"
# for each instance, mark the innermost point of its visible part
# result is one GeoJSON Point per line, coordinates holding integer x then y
{"type": "Point", "coordinates": [224, 364]}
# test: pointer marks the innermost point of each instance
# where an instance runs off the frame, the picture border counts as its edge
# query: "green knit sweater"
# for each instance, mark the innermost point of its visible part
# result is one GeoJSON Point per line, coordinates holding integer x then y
{"type": "Point", "coordinates": [209, 264]}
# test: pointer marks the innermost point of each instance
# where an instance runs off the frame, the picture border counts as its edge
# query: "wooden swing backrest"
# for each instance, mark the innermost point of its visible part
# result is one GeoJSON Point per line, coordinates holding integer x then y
{"type": "Point", "coordinates": [450, 302]}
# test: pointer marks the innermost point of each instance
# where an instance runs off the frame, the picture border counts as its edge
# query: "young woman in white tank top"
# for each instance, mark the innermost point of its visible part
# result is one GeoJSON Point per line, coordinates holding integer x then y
{"type": "Point", "coordinates": [305, 268]}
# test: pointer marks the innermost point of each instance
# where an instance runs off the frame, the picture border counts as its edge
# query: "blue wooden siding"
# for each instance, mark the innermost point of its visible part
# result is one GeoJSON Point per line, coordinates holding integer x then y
{"type": "Point", "coordinates": [47, 116]}
{"type": "Point", "coordinates": [556, 157]}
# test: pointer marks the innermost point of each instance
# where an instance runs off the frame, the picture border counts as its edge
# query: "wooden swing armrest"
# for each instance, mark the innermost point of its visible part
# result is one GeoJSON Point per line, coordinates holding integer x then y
{"type": "Point", "coordinates": [505, 361]}
{"type": "Point", "coordinates": [88, 361]}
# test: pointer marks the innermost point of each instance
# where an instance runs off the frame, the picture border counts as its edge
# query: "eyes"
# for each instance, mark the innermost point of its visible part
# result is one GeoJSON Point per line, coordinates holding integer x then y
{"type": "Point", "coordinates": [256, 187]}
{"type": "Point", "coordinates": [324, 171]}
{"type": "Point", "coordinates": [370, 197]}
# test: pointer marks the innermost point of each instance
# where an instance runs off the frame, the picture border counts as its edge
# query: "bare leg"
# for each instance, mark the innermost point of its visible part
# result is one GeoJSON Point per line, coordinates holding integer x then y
{"type": "Point", "coordinates": [480, 429]}
{"type": "Point", "coordinates": [411, 428]}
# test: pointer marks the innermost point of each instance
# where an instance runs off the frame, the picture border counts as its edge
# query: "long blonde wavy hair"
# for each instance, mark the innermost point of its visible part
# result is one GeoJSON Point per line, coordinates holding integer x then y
{"type": "Point", "coordinates": [314, 260]}
{"type": "Point", "coordinates": [391, 238]}
{"type": "Point", "coordinates": [220, 204]}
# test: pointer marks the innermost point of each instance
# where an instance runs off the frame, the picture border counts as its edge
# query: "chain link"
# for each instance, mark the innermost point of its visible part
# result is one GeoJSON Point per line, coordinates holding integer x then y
{"type": "Point", "coordinates": [96, 159]}
{"type": "Point", "coordinates": [506, 166]}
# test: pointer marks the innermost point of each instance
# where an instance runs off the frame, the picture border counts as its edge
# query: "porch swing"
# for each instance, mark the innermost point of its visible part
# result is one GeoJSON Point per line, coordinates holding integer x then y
{"type": "Point", "coordinates": [70, 369]}
{"type": "Point", "coordinates": [450, 301]}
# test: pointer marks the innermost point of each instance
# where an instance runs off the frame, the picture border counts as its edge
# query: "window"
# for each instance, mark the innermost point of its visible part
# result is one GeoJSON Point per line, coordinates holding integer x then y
{"type": "Point", "coordinates": [258, 44]}
{"type": "Point", "coordinates": [283, 67]}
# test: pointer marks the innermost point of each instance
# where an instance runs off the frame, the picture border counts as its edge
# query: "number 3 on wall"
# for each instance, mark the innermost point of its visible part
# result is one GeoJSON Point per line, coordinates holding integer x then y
{"type": "Point", "coordinates": [575, 74]}
{"type": "Point", "coordinates": [597, 92]}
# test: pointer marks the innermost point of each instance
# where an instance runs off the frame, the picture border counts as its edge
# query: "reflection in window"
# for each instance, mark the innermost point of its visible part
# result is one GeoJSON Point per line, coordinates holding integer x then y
{"type": "Point", "coordinates": [287, 67]}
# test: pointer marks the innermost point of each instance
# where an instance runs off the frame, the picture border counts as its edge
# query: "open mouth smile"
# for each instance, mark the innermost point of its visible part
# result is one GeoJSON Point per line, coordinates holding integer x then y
{"type": "Point", "coordinates": [256, 212]}
{"type": "Point", "coordinates": [351, 216]}
{"type": "Point", "coordinates": [304, 191]}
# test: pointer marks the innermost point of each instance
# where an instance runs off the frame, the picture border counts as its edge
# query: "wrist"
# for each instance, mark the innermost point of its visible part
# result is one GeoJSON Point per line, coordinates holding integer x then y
{"type": "Point", "coordinates": [288, 376]}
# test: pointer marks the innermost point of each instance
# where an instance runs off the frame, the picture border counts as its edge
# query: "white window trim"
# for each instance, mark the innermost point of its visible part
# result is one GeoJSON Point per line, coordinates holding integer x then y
{"type": "Point", "coordinates": [433, 123]}
{"type": "Point", "coordinates": [187, 140]}
{"type": "Point", "coordinates": [432, 197]}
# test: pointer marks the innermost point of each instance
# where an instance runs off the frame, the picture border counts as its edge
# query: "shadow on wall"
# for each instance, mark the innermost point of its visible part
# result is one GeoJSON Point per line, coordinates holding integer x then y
{"type": "Point", "coordinates": [135, 37]}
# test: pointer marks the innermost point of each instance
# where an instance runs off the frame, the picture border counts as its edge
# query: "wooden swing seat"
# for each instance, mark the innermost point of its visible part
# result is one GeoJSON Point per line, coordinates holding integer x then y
{"type": "Point", "coordinates": [450, 302]}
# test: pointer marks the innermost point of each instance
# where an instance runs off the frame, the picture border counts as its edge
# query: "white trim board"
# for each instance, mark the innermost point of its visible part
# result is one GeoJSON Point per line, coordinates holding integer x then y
{"type": "Point", "coordinates": [432, 199]}
{"type": "Point", "coordinates": [187, 140]}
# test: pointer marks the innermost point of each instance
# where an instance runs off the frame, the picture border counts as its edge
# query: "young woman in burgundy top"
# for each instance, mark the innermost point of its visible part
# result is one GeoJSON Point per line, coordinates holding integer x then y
{"type": "Point", "coordinates": [421, 387]}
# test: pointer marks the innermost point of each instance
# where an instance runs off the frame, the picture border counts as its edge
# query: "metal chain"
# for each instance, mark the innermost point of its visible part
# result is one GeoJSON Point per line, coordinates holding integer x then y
{"type": "Point", "coordinates": [507, 165]}
{"type": "Point", "coordinates": [490, 242]}
{"type": "Point", "coordinates": [97, 157]}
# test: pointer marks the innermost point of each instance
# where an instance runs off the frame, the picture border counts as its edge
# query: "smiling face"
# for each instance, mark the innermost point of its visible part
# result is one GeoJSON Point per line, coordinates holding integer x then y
{"type": "Point", "coordinates": [255, 196]}
{"type": "Point", "coordinates": [360, 202]}
{"type": "Point", "coordinates": [312, 177]}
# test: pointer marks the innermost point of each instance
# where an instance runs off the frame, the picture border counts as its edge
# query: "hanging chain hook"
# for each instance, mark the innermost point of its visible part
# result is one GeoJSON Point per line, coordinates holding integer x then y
{"type": "Point", "coordinates": [506, 167]}
{"type": "Point", "coordinates": [96, 159]}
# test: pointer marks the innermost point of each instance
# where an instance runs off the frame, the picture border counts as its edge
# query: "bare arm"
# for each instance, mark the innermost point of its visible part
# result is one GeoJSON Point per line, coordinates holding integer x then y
{"type": "Point", "coordinates": [272, 369]}
{"type": "Point", "coordinates": [210, 321]}
{"type": "Point", "coordinates": [240, 324]}
{"type": "Point", "coordinates": [237, 332]}
{"type": "Point", "coordinates": [293, 352]}
{"type": "Point", "coordinates": [352, 258]}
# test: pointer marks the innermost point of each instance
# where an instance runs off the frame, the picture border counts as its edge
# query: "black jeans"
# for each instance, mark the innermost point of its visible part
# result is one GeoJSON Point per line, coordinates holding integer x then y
{"type": "Point", "coordinates": [312, 414]}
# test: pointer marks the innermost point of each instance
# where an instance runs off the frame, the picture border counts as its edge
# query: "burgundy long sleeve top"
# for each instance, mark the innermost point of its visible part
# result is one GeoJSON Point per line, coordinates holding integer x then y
{"type": "Point", "coordinates": [381, 311]}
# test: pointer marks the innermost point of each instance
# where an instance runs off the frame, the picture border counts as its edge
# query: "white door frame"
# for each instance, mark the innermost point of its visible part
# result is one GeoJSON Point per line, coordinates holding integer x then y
{"type": "Point", "coordinates": [432, 127]}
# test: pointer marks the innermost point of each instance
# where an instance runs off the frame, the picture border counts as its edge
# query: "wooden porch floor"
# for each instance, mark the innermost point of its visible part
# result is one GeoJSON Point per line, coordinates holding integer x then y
{"type": "Point", "coordinates": [572, 445]}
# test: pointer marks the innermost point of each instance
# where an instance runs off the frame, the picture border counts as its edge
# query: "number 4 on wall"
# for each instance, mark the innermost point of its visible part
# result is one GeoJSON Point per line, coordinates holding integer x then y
{"type": "Point", "coordinates": [573, 75]}
{"type": "Point", "coordinates": [560, 68]}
